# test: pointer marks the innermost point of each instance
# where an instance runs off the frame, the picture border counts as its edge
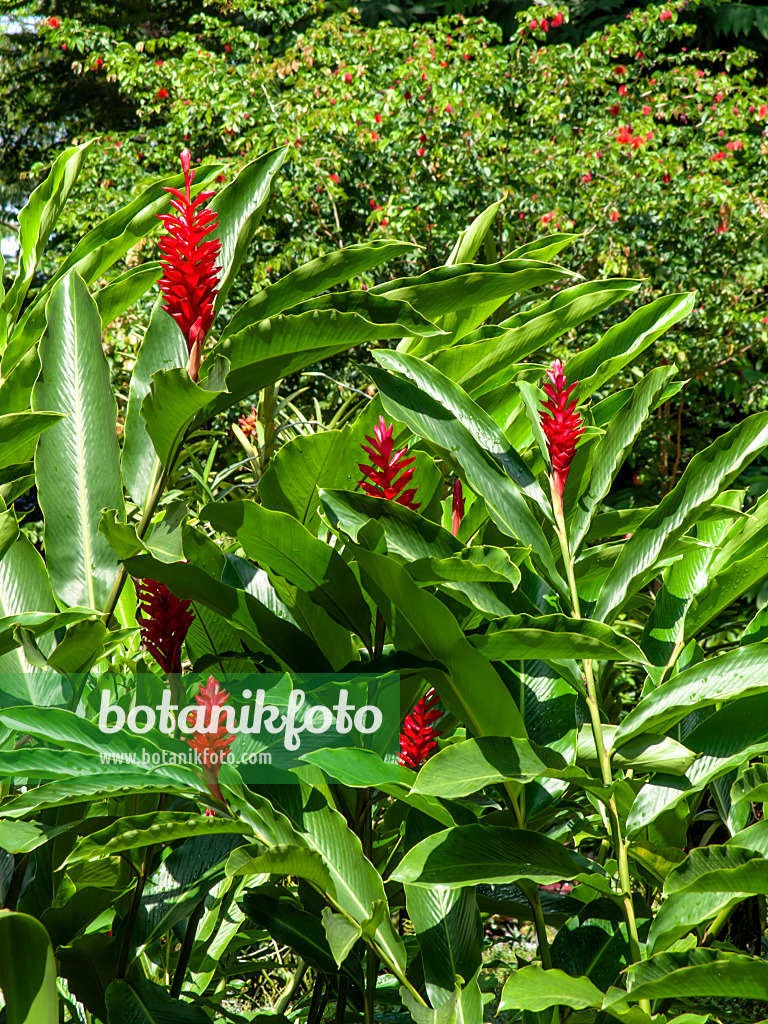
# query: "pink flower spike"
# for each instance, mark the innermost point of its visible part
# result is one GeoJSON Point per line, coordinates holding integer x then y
{"type": "Point", "coordinates": [562, 426]}
{"type": "Point", "coordinates": [383, 480]}
{"type": "Point", "coordinates": [457, 512]}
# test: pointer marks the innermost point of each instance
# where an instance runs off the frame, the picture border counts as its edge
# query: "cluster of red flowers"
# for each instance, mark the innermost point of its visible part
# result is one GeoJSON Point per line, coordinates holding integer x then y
{"type": "Point", "coordinates": [545, 25]}
{"type": "Point", "coordinates": [419, 736]}
{"type": "Point", "coordinates": [248, 423]}
{"type": "Point", "coordinates": [625, 137]}
{"type": "Point", "coordinates": [190, 275]}
{"type": "Point", "coordinates": [389, 474]}
{"type": "Point", "coordinates": [164, 621]}
{"type": "Point", "coordinates": [211, 745]}
{"type": "Point", "coordinates": [561, 424]}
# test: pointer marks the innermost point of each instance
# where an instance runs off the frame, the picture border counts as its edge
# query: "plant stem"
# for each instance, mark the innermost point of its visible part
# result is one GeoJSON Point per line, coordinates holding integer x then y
{"type": "Point", "coordinates": [541, 928]}
{"type": "Point", "coordinates": [133, 913]}
{"type": "Point", "coordinates": [186, 949]}
{"type": "Point", "coordinates": [292, 988]}
{"type": "Point", "coordinates": [341, 1000]}
{"type": "Point", "coordinates": [593, 706]}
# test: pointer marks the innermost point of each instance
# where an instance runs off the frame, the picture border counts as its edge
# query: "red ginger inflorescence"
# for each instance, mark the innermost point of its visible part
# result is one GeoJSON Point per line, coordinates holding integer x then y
{"type": "Point", "coordinates": [457, 512]}
{"type": "Point", "coordinates": [164, 620]}
{"type": "Point", "coordinates": [562, 426]}
{"type": "Point", "coordinates": [190, 275]}
{"type": "Point", "coordinates": [382, 477]}
{"type": "Point", "coordinates": [419, 736]}
{"type": "Point", "coordinates": [211, 745]}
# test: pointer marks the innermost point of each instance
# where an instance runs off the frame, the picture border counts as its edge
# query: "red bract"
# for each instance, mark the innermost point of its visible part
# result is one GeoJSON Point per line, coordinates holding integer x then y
{"type": "Point", "coordinates": [164, 621]}
{"type": "Point", "coordinates": [557, 21]}
{"type": "Point", "coordinates": [457, 512]}
{"type": "Point", "coordinates": [190, 275]}
{"type": "Point", "coordinates": [419, 736]}
{"type": "Point", "coordinates": [211, 744]}
{"type": "Point", "coordinates": [383, 480]}
{"type": "Point", "coordinates": [561, 425]}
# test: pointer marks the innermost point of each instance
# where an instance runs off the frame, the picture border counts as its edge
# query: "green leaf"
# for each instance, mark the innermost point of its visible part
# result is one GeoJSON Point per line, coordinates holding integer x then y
{"type": "Point", "coordinates": [740, 673]}
{"type": "Point", "coordinates": [438, 411]}
{"type": "Point", "coordinates": [480, 365]}
{"type": "Point", "coordinates": [279, 542]}
{"type": "Point", "coordinates": [172, 403]}
{"type": "Point", "coordinates": [682, 912]}
{"type": "Point", "coordinates": [704, 478]}
{"type": "Point", "coordinates": [613, 447]}
{"type": "Point", "coordinates": [556, 637]}
{"type": "Point", "coordinates": [77, 463]}
{"type": "Point", "coordinates": [108, 782]}
{"type": "Point", "coordinates": [461, 769]}
{"type": "Point", "coordinates": [697, 972]}
{"type": "Point", "coordinates": [450, 936]}
{"type": "Point", "coordinates": [472, 691]}
{"type": "Point", "coordinates": [312, 278]}
{"type": "Point", "coordinates": [162, 348]}
{"type": "Point", "coordinates": [725, 869]}
{"type": "Point", "coordinates": [120, 294]}
{"type": "Point", "coordinates": [240, 207]}
{"type": "Point", "coordinates": [38, 218]}
{"type": "Point", "coordinates": [482, 854]}
{"type": "Point", "coordinates": [533, 988]}
{"type": "Point", "coordinates": [417, 540]}
{"type": "Point", "coordinates": [140, 1001]}
{"type": "Point", "coordinates": [470, 240]}
{"type": "Point", "coordinates": [342, 934]}
{"type": "Point", "coordinates": [19, 431]}
{"type": "Point", "coordinates": [600, 362]}
{"type": "Point", "coordinates": [139, 831]}
{"type": "Point", "coordinates": [27, 971]}
{"type": "Point", "coordinates": [644, 753]}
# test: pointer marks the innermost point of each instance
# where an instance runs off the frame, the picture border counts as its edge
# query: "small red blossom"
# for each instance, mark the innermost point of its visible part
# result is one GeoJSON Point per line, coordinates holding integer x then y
{"type": "Point", "coordinates": [763, 110]}
{"type": "Point", "coordinates": [98, 62]}
{"type": "Point", "coordinates": [557, 21]}
{"type": "Point", "coordinates": [614, 215]}
{"type": "Point", "coordinates": [646, 110]}
{"type": "Point", "coordinates": [190, 277]}
{"type": "Point", "coordinates": [377, 118]}
{"type": "Point", "coordinates": [586, 178]}
{"type": "Point", "coordinates": [448, 108]}
{"type": "Point", "coordinates": [164, 622]}
{"type": "Point", "coordinates": [719, 155]}
{"type": "Point", "coordinates": [347, 77]}
{"type": "Point", "coordinates": [533, 24]}
{"type": "Point", "coordinates": [561, 424]}
{"type": "Point", "coordinates": [544, 25]}
{"type": "Point", "coordinates": [457, 510]}
{"type": "Point", "coordinates": [159, 62]}
{"type": "Point", "coordinates": [162, 94]}
{"type": "Point", "coordinates": [734, 144]}
{"type": "Point", "coordinates": [53, 22]}
{"type": "Point", "coordinates": [614, 110]}
{"type": "Point", "coordinates": [421, 152]}
{"type": "Point", "coordinates": [622, 90]}
{"type": "Point", "coordinates": [665, 16]}
{"type": "Point", "coordinates": [719, 97]}
{"type": "Point", "coordinates": [419, 736]}
{"type": "Point", "coordinates": [407, 94]}
{"type": "Point", "coordinates": [391, 471]}
{"type": "Point", "coordinates": [212, 741]}
{"type": "Point", "coordinates": [624, 135]}
{"type": "Point", "coordinates": [667, 179]}
{"type": "Point", "coordinates": [375, 136]}
{"type": "Point", "coordinates": [334, 178]}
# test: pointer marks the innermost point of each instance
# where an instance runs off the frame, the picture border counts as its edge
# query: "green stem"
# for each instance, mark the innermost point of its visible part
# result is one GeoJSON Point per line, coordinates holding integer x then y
{"type": "Point", "coordinates": [186, 949]}
{"type": "Point", "coordinates": [593, 706]}
{"type": "Point", "coordinates": [292, 988]}
{"type": "Point", "coordinates": [541, 928]}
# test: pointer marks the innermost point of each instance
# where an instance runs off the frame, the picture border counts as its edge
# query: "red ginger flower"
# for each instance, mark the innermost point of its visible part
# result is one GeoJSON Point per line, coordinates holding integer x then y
{"type": "Point", "coordinates": [561, 425]}
{"type": "Point", "coordinates": [383, 480]}
{"type": "Point", "coordinates": [248, 423]}
{"type": "Point", "coordinates": [164, 621]}
{"type": "Point", "coordinates": [211, 746]}
{"type": "Point", "coordinates": [457, 512]}
{"type": "Point", "coordinates": [419, 736]}
{"type": "Point", "coordinates": [190, 276]}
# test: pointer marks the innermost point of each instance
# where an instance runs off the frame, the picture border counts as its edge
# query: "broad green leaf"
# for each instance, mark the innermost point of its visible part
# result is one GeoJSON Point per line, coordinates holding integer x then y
{"type": "Point", "coordinates": [738, 674]}
{"type": "Point", "coordinates": [266, 627]}
{"type": "Point", "coordinates": [644, 753]}
{"type": "Point", "coordinates": [136, 832]}
{"type": "Point", "coordinates": [623, 342]}
{"type": "Point", "coordinates": [450, 936]}
{"type": "Point", "coordinates": [533, 988]}
{"type": "Point", "coordinates": [470, 240]}
{"type": "Point", "coordinates": [545, 248]}
{"type": "Point", "coordinates": [491, 468]}
{"type": "Point", "coordinates": [19, 431]}
{"type": "Point", "coordinates": [312, 278]}
{"type": "Point", "coordinates": [37, 220]}
{"type": "Point", "coordinates": [303, 466]}
{"type": "Point", "coordinates": [162, 348]}
{"type": "Point", "coordinates": [556, 637]}
{"type": "Point", "coordinates": [613, 448]}
{"type": "Point", "coordinates": [461, 769]}
{"type": "Point", "coordinates": [282, 860]}
{"type": "Point", "coordinates": [172, 403]}
{"type": "Point", "coordinates": [119, 295]}
{"type": "Point", "coordinates": [479, 366]}
{"type": "Point", "coordinates": [417, 539]}
{"type": "Point", "coordinates": [681, 913]}
{"type": "Point", "coordinates": [704, 478]}
{"type": "Point", "coordinates": [723, 741]}
{"type": "Point", "coordinates": [109, 781]}
{"type": "Point", "coordinates": [240, 207]}
{"type": "Point", "coordinates": [140, 1001]}
{"type": "Point", "coordinates": [697, 972]}
{"type": "Point", "coordinates": [473, 691]}
{"type": "Point", "coordinates": [27, 971]}
{"type": "Point", "coordinates": [724, 869]}
{"type": "Point", "coordinates": [482, 854]}
{"type": "Point", "coordinates": [752, 785]}
{"type": "Point", "coordinates": [279, 542]}
{"type": "Point", "coordinates": [78, 462]}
